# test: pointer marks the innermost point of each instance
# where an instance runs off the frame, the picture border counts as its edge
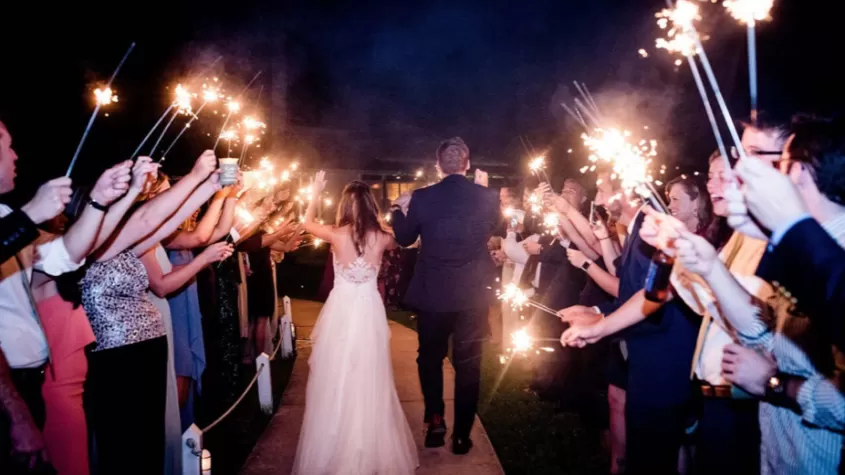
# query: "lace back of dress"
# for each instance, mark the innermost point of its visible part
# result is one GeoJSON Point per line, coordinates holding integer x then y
{"type": "Point", "coordinates": [358, 271]}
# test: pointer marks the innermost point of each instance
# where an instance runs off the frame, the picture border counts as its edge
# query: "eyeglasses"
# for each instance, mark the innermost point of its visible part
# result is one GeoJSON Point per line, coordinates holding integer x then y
{"type": "Point", "coordinates": [756, 153]}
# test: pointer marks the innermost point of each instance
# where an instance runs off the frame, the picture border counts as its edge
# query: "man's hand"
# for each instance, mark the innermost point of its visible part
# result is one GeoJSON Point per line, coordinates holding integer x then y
{"type": "Point", "coordinates": [600, 229]}
{"type": "Point", "coordinates": [579, 315]}
{"type": "Point", "coordinates": [482, 178]}
{"type": "Point", "coordinates": [748, 369]}
{"type": "Point", "coordinates": [112, 184]}
{"type": "Point", "coordinates": [532, 247]}
{"type": "Point", "coordinates": [576, 257]}
{"type": "Point", "coordinates": [579, 336]}
{"type": "Point", "coordinates": [403, 201]}
{"type": "Point", "coordinates": [143, 171]}
{"type": "Point", "coordinates": [27, 442]}
{"type": "Point", "coordinates": [49, 201]}
{"type": "Point", "coordinates": [205, 165]}
{"type": "Point", "coordinates": [771, 197]}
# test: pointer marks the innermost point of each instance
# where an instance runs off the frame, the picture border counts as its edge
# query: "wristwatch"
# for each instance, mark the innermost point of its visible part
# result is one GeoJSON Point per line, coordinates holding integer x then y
{"type": "Point", "coordinates": [586, 265]}
{"type": "Point", "coordinates": [97, 206]}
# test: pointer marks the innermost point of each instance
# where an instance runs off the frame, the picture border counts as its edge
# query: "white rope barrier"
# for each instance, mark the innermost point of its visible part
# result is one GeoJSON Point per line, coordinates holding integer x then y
{"type": "Point", "coordinates": [195, 460]}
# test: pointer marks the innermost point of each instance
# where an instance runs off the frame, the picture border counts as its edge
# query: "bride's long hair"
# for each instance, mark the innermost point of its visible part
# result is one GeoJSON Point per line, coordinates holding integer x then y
{"type": "Point", "coordinates": [358, 209]}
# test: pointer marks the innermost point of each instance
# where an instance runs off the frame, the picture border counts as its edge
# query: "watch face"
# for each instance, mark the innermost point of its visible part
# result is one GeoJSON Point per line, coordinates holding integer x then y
{"type": "Point", "coordinates": [775, 384]}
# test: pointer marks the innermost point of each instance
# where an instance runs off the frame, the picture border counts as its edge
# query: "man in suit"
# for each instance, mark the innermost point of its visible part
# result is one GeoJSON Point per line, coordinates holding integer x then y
{"type": "Point", "coordinates": [450, 288]}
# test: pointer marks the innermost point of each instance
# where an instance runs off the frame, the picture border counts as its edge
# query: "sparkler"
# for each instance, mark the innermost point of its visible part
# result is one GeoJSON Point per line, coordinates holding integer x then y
{"type": "Point", "coordinates": [182, 104]}
{"type": "Point", "coordinates": [250, 124]}
{"type": "Point", "coordinates": [684, 39]}
{"type": "Point", "coordinates": [234, 107]}
{"type": "Point", "coordinates": [209, 95]}
{"type": "Point", "coordinates": [750, 12]}
{"type": "Point", "coordinates": [102, 98]}
{"type": "Point", "coordinates": [538, 167]}
{"type": "Point", "coordinates": [228, 136]}
{"type": "Point", "coordinates": [518, 299]}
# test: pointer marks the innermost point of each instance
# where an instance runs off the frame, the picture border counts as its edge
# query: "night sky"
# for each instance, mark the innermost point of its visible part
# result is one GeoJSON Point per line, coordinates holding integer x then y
{"type": "Point", "coordinates": [358, 82]}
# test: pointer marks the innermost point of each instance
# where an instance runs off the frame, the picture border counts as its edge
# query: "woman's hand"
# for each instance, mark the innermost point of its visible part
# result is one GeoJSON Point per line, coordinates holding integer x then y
{"type": "Point", "coordinates": [112, 184]}
{"type": "Point", "coordinates": [600, 229]}
{"type": "Point", "coordinates": [576, 257]}
{"type": "Point", "coordinates": [696, 254]}
{"type": "Point", "coordinates": [217, 252]}
{"type": "Point", "coordinates": [143, 171]}
{"type": "Point", "coordinates": [319, 182]}
{"type": "Point", "coordinates": [579, 336]}
{"type": "Point", "coordinates": [532, 247]}
{"type": "Point", "coordinates": [205, 165]}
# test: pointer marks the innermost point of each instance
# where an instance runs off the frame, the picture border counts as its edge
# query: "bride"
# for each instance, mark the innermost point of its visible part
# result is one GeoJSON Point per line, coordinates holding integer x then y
{"type": "Point", "coordinates": [354, 423]}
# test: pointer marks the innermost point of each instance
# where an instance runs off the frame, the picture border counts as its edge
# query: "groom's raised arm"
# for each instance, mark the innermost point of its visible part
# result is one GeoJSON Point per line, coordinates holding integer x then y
{"type": "Point", "coordinates": [406, 229]}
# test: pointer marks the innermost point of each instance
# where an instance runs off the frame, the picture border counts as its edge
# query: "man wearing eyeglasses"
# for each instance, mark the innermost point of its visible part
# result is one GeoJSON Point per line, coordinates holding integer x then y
{"type": "Point", "coordinates": [764, 139]}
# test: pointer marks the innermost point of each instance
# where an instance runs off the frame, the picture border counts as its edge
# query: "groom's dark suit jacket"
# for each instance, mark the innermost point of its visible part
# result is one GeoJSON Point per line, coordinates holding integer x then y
{"type": "Point", "coordinates": [454, 218]}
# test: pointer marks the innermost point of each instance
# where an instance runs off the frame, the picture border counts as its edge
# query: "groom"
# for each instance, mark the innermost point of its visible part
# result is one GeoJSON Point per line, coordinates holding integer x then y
{"type": "Point", "coordinates": [454, 220]}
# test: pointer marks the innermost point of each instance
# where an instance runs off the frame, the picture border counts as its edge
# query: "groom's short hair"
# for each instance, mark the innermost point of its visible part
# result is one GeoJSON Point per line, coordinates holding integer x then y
{"type": "Point", "coordinates": [453, 156]}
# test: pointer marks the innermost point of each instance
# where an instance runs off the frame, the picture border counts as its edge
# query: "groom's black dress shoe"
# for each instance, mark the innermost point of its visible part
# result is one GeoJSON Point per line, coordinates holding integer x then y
{"type": "Point", "coordinates": [435, 436]}
{"type": "Point", "coordinates": [461, 445]}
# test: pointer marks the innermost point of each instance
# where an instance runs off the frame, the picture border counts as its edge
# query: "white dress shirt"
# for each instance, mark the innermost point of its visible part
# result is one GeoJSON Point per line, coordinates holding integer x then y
{"type": "Point", "coordinates": [21, 338]}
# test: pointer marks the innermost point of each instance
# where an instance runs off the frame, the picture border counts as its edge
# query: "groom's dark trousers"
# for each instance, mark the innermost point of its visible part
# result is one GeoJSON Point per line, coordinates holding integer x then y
{"type": "Point", "coordinates": [450, 288]}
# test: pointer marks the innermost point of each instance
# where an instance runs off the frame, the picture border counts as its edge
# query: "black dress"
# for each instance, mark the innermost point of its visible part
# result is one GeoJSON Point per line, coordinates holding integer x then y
{"type": "Point", "coordinates": [261, 293]}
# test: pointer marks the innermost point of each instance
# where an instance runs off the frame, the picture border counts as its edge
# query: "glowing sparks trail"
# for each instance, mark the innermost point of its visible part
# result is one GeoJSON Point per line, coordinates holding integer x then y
{"type": "Point", "coordinates": [750, 12]}
{"type": "Point", "coordinates": [683, 38]}
{"type": "Point", "coordinates": [522, 341]}
{"type": "Point", "coordinates": [228, 136]}
{"type": "Point", "coordinates": [234, 106]}
{"type": "Point", "coordinates": [517, 298]}
{"type": "Point", "coordinates": [102, 98]}
{"type": "Point", "coordinates": [210, 95]}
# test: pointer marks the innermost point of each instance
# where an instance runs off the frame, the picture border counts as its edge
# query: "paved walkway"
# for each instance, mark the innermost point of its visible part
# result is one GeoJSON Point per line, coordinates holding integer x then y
{"type": "Point", "coordinates": [276, 449]}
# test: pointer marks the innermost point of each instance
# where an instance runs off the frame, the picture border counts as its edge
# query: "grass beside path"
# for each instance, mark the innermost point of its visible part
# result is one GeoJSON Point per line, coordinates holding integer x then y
{"type": "Point", "coordinates": [529, 435]}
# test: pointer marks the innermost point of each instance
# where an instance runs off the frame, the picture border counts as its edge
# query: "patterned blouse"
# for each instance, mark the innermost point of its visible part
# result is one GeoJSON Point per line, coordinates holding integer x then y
{"type": "Point", "coordinates": [114, 294]}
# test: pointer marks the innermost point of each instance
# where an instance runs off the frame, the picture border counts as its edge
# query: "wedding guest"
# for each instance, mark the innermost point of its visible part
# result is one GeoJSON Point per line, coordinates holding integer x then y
{"type": "Point", "coordinates": [25, 349]}
{"type": "Point", "coordinates": [128, 367]}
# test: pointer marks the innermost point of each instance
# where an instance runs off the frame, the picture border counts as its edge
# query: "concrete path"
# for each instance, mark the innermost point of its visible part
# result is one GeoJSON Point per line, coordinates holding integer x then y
{"type": "Point", "coordinates": [276, 449]}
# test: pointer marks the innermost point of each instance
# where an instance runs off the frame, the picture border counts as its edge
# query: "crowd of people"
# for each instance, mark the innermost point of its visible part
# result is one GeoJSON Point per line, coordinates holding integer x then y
{"type": "Point", "coordinates": [705, 339]}
{"type": "Point", "coordinates": [107, 347]}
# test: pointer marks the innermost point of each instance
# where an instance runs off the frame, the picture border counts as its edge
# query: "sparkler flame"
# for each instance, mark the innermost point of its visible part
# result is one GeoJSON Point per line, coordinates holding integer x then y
{"type": "Point", "coordinates": [419, 173]}
{"type": "Point", "coordinates": [630, 162]}
{"type": "Point", "coordinates": [228, 135]}
{"type": "Point", "coordinates": [513, 294]}
{"type": "Point", "coordinates": [233, 107]}
{"type": "Point", "coordinates": [327, 201]}
{"type": "Point", "coordinates": [251, 123]}
{"type": "Point", "coordinates": [294, 166]}
{"type": "Point", "coordinates": [551, 220]}
{"type": "Point", "coordinates": [249, 139]}
{"type": "Point", "coordinates": [537, 163]}
{"type": "Point", "coordinates": [210, 95]}
{"type": "Point", "coordinates": [104, 97]}
{"type": "Point", "coordinates": [183, 100]}
{"type": "Point", "coordinates": [266, 164]}
{"type": "Point", "coordinates": [522, 341]}
{"type": "Point", "coordinates": [681, 36]}
{"type": "Point", "coordinates": [317, 242]}
{"type": "Point", "coordinates": [285, 175]}
{"type": "Point", "coordinates": [749, 11]}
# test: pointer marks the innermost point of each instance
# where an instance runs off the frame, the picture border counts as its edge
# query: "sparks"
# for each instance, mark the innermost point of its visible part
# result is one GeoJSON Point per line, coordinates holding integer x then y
{"type": "Point", "coordinates": [643, 53]}
{"type": "Point", "coordinates": [387, 217]}
{"type": "Point", "coordinates": [327, 202]}
{"type": "Point", "coordinates": [537, 163]}
{"type": "Point", "coordinates": [749, 11]}
{"type": "Point", "coordinates": [251, 123]}
{"type": "Point", "coordinates": [317, 242]}
{"type": "Point", "coordinates": [681, 36]}
{"type": "Point", "coordinates": [228, 135]}
{"type": "Point", "coordinates": [182, 100]}
{"type": "Point", "coordinates": [210, 95]}
{"type": "Point", "coordinates": [285, 175]}
{"type": "Point", "coordinates": [522, 341]}
{"type": "Point", "coordinates": [630, 162]}
{"type": "Point", "coordinates": [104, 97]}
{"type": "Point", "coordinates": [266, 164]}
{"type": "Point", "coordinates": [551, 220]}
{"type": "Point", "coordinates": [233, 107]}
{"type": "Point", "coordinates": [419, 173]}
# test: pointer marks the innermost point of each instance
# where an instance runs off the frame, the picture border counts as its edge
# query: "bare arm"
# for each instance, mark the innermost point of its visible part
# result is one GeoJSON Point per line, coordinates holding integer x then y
{"type": "Point", "coordinates": [322, 231]}
{"type": "Point", "coordinates": [603, 279]}
{"type": "Point", "coordinates": [152, 214]}
{"type": "Point", "coordinates": [163, 284]}
{"type": "Point", "coordinates": [227, 219]}
{"type": "Point", "coordinates": [572, 233]}
{"type": "Point", "coordinates": [201, 235]}
{"type": "Point", "coordinates": [610, 254]}
{"type": "Point", "coordinates": [199, 196]}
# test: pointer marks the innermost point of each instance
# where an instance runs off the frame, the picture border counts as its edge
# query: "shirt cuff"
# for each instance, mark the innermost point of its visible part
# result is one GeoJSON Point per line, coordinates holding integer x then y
{"type": "Point", "coordinates": [779, 233]}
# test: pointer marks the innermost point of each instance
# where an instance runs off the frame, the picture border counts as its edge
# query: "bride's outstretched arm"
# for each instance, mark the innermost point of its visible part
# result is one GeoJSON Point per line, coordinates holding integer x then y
{"type": "Point", "coordinates": [322, 231]}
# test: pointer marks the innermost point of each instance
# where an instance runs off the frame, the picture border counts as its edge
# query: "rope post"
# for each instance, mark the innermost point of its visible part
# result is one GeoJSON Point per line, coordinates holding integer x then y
{"type": "Point", "coordinates": [192, 451]}
{"type": "Point", "coordinates": [286, 336]}
{"type": "Point", "coordinates": [265, 385]}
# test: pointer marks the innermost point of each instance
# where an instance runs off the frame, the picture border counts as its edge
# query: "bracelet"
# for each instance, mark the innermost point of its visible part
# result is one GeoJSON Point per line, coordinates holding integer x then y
{"type": "Point", "coordinates": [97, 206]}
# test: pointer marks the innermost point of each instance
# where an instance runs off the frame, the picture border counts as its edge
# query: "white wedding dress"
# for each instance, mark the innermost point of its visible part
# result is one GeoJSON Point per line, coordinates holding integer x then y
{"type": "Point", "coordinates": [354, 423]}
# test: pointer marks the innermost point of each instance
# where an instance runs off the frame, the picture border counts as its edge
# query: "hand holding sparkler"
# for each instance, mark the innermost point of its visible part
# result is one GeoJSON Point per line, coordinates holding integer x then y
{"type": "Point", "coordinates": [579, 314]}
{"type": "Point", "coordinates": [577, 258]}
{"type": "Point", "coordinates": [112, 184]}
{"type": "Point", "coordinates": [770, 196]}
{"type": "Point", "coordinates": [49, 201]}
{"type": "Point", "coordinates": [481, 177]}
{"type": "Point", "coordinates": [661, 230]}
{"type": "Point", "coordinates": [580, 335]}
{"type": "Point", "coordinates": [217, 252]}
{"type": "Point", "coordinates": [205, 165]}
{"type": "Point", "coordinates": [600, 229]}
{"type": "Point", "coordinates": [144, 171]}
